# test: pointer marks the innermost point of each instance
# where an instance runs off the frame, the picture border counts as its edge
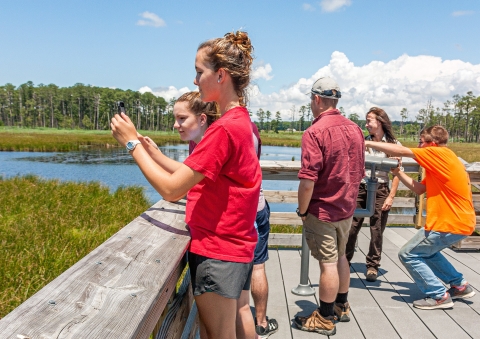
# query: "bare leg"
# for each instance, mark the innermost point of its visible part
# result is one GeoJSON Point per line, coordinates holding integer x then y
{"type": "Point", "coordinates": [329, 281]}
{"type": "Point", "coordinates": [343, 274]}
{"type": "Point", "coordinates": [245, 327]}
{"type": "Point", "coordinates": [203, 330]}
{"type": "Point", "coordinates": [260, 293]}
{"type": "Point", "coordinates": [218, 315]}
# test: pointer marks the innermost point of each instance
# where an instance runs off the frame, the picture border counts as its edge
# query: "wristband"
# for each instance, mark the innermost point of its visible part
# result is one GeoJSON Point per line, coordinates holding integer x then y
{"type": "Point", "coordinates": [300, 214]}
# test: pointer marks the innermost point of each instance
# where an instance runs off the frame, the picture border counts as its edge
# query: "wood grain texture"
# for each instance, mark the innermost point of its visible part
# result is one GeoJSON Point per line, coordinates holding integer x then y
{"type": "Point", "coordinates": [469, 243]}
{"type": "Point", "coordinates": [119, 290]}
{"type": "Point", "coordinates": [291, 218]}
{"type": "Point", "coordinates": [175, 325]}
{"type": "Point", "coordinates": [291, 197]}
{"type": "Point", "coordinates": [288, 170]}
{"type": "Point", "coordinates": [473, 170]}
{"type": "Point", "coordinates": [283, 239]}
{"type": "Point", "coordinates": [280, 170]}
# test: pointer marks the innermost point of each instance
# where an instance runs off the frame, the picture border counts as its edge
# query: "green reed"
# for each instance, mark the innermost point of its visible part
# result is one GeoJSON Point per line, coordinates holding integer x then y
{"type": "Point", "coordinates": [46, 226]}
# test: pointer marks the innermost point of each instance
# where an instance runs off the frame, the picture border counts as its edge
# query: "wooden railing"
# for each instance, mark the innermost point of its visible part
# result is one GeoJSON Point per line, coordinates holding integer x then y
{"type": "Point", "coordinates": [128, 287]}
{"type": "Point", "coordinates": [119, 290]}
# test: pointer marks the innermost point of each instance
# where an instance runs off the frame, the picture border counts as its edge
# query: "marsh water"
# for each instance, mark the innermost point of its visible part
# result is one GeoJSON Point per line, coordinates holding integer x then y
{"type": "Point", "coordinates": [115, 168]}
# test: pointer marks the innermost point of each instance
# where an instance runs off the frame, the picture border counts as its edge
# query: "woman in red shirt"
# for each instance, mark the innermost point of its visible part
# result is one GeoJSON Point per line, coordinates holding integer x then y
{"type": "Point", "coordinates": [222, 177]}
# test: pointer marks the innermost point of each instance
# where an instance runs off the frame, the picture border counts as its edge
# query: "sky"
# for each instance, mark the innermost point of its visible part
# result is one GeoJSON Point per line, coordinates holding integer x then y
{"type": "Point", "coordinates": [391, 54]}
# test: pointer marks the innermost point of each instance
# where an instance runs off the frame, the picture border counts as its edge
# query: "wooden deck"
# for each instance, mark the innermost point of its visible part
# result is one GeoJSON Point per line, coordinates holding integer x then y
{"type": "Point", "coordinates": [382, 309]}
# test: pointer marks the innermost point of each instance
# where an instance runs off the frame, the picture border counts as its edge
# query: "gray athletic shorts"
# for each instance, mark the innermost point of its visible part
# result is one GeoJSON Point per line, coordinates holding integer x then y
{"type": "Point", "coordinates": [225, 278]}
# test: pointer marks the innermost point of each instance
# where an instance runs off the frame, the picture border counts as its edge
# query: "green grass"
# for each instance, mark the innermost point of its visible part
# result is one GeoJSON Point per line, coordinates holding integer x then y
{"type": "Point", "coordinates": [46, 226]}
{"type": "Point", "coordinates": [291, 139]}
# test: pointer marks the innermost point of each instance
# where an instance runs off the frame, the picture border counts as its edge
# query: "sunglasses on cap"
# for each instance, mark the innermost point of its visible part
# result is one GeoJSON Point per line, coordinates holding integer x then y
{"type": "Point", "coordinates": [328, 93]}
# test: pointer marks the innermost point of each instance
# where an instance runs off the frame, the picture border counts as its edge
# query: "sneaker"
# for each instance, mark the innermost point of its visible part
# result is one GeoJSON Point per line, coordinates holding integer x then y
{"type": "Point", "coordinates": [371, 274]}
{"type": "Point", "coordinates": [342, 311]}
{"type": "Point", "coordinates": [316, 323]}
{"type": "Point", "coordinates": [464, 291]}
{"type": "Point", "coordinates": [432, 304]}
{"type": "Point", "coordinates": [265, 332]}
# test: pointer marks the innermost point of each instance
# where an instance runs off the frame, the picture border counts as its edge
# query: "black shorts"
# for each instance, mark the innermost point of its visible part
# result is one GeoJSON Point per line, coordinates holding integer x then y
{"type": "Point", "coordinates": [225, 278]}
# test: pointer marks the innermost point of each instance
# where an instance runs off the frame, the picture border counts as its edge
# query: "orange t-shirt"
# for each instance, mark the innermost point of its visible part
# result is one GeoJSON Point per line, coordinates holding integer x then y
{"type": "Point", "coordinates": [449, 196]}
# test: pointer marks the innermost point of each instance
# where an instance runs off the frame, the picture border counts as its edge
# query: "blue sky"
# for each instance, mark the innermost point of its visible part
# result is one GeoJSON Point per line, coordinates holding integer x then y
{"type": "Point", "coordinates": [391, 54]}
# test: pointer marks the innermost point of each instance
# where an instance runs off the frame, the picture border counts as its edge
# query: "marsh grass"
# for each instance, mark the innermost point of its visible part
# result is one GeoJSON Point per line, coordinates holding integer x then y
{"type": "Point", "coordinates": [46, 226]}
{"type": "Point", "coordinates": [282, 138]}
{"type": "Point", "coordinates": [52, 140]}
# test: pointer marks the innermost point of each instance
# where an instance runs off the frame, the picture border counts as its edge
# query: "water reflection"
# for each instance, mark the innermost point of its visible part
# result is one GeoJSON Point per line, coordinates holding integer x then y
{"type": "Point", "coordinates": [115, 167]}
{"type": "Point", "coordinates": [101, 156]}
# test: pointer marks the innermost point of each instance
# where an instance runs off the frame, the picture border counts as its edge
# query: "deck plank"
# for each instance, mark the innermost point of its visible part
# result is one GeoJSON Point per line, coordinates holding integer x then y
{"type": "Point", "coordinates": [399, 313]}
{"type": "Point", "coordinates": [368, 315]}
{"type": "Point", "coordinates": [277, 305]}
{"type": "Point", "coordinates": [297, 305]}
{"type": "Point", "coordinates": [475, 255]}
{"type": "Point", "coordinates": [439, 322]}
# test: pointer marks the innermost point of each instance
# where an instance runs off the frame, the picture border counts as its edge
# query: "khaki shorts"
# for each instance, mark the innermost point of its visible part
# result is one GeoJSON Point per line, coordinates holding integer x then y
{"type": "Point", "coordinates": [326, 240]}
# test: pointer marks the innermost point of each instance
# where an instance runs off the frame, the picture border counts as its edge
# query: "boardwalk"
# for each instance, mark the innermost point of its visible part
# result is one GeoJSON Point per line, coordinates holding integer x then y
{"type": "Point", "coordinates": [382, 309]}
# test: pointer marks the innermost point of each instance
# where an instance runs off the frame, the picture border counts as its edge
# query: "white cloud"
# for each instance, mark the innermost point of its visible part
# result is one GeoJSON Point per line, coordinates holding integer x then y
{"type": "Point", "coordinates": [462, 13]}
{"type": "Point", "coordinates": [403, 82]}
{"type": "Point", "coordinates": [151, 19]}
{"type": "Point", "coordinates": [308, 7]}
{"type": "Point", "coordinates": [333, 5]}
{"type": "Point", "coordinates": [262, 72]}
{"type": "Point", "coordinates": [167, 93]}
{"type": "Point", "coordinates": [408, 81]}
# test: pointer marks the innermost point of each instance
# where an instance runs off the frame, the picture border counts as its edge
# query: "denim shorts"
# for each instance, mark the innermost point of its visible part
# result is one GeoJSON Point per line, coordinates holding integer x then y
{"type": "Point", "coordinates": [224, 278]}
{"type": "Point", "coordinates": [263, 229]}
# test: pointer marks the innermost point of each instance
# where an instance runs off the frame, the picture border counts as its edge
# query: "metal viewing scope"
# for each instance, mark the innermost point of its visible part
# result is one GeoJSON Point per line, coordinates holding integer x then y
{"type": "Point", "coordinates": [373, 164]}
{"type": "Point", "coordinates": [379, 164]}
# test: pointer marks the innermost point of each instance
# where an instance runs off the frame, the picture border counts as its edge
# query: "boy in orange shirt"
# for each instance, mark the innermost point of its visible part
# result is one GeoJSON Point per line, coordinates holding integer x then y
{"type": "Point", "coordinates": [450, 217]}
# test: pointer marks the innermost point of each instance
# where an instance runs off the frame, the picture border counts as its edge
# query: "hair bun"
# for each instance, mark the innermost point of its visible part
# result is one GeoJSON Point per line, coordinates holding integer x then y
{"type": "Point", "coordinates": [233, 53]}
{"type": "Point", "coordinates": [241, 40]}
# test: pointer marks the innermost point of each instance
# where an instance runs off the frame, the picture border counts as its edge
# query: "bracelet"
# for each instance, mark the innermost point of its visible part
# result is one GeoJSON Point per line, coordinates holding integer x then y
{"type": "Point", "coordinates": [300, 214]}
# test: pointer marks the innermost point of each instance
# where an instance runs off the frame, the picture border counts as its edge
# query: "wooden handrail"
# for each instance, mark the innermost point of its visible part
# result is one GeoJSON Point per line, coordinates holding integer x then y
{"type": "Point", "coordinates": [119, 290]}
{"type": "Point", "coordinates": [288, 170]}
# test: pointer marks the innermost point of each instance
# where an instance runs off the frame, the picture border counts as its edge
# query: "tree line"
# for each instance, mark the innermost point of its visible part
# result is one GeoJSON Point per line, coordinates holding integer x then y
{"type": "Point", "coordinates": [90, 107]}
{"type": "Point", "coordinates": [80, 107]}
{"type": "Point", "coordinates": [460, 116]}
{"type": "Point", "coordinates": [270, 122]}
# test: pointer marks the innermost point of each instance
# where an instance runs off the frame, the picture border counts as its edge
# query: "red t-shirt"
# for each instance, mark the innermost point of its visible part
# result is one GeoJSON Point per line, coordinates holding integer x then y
{"type": "Point", "coordinates": [221, 209]}
{"type": "Point", "coordinates": [333, 156]}
{"type": "Point", "coordinates": [449, 195]}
